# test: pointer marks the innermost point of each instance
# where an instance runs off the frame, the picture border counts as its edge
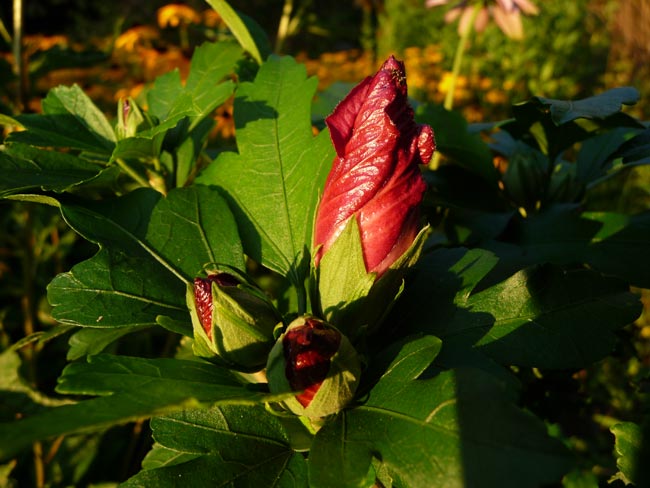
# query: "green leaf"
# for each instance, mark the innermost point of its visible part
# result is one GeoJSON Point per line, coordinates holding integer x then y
{"type": "Point", "coordinates": [455, 141]}
{"type": "Point", "coordinates": [459, 428]}
{"type": "Point", "coordinates": [166, 90]}
{"type": "Point", "coordinates": [558, 124]}
{"type": "Point", "coordinates": [69, 119]}
{"type": "Point", "coordinates": [245, 446]}
{"type": "Point", "coordinates": [239, 29]}
{"type": "Point", "coordinates": [190, 227]}
{"type": "Point", "coordinates": [194, 226]}
{"type": "Point", "coordinates": [595, 156]}
{"type": "Point", "coordinates": [211, 64]}
{"type": "Point", "coordinates": [598, 107]}
{"type": "Point", "coordinates": [89, 341]}
{"type": "Point", "coordinates": [629, 461]}
{"type": "Point", "coordinates": [204, 90]}
{"type": "Point", "coordinates": [541, 316]}
{"type": "Point", "coordinates": [274, 181]}
{"type": "Point", "coordinates": [145, 148]}
{"type": "Point", "coordinates": [119, 223]}
{"type": "Point", "coordinates": [440, 278]}
{"type": "Point", "coordinates": [594, 238]}
{"type": "Point", "coordinates": [580, 479]}
{"type": "Point", "coordinates": [28, 168]}
{"type": "Point", "coordinates": [546, 317]}
{"type": "Point", "coordinates": [342, 278]}
{"type": "Point", "coordinates": [133, 388]}
{"type": "Point", "coordinates": [151, 247]}
{"type": "Point", "coordinates": [18, 397]}
{"type": "Point", "coordinates": [115, 289]}
{"type": "Point", "coordinates": [636, 148]}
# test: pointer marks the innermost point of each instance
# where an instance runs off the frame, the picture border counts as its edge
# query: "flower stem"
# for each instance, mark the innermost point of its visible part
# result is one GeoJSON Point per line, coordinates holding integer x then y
{"type": "Point", "coordinates": [455, 71]}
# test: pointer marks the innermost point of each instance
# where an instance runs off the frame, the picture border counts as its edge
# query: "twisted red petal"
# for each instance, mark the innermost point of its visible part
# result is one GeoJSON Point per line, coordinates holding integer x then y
{"type": "Point", "coordinates": [375, 174]}
{"type": "Point", "coordinates": [307, 351]}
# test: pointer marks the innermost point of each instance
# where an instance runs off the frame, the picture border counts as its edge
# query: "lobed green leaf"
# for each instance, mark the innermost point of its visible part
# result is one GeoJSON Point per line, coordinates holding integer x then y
{"type": "Point", "coordinates": [273, 182]}
{"type": "Point", "coordinates": [245, 446]}
{"type": "Point", "coordinates": [459, 428]}
{"type": "Point", "coordinates": [131, 388]}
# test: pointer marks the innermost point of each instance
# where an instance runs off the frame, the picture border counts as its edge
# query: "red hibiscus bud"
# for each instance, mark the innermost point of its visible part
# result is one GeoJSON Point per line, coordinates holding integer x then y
{"type": "Point", "coordinates": [375, 174]}
{"type": "Point", "coordinates": [233, 321]}
{"type": "Point", "coordinates": [317, 361]}
{"type": "Point", "coordinates": [307, 352]}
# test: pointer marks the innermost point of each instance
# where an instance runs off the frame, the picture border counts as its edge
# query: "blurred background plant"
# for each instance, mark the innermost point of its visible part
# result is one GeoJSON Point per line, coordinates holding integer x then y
{"type": "Point", "coordinates": [560, 50]}
{"type": "Point", "coordinates": [568, 49]}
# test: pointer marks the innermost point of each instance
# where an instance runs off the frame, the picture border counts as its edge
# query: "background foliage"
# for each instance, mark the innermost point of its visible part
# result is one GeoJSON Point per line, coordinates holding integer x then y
{"type": "Point", "coordinates": [595, 406]}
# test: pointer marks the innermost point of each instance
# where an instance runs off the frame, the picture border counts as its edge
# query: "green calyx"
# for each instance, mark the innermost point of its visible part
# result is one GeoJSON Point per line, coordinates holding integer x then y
{"type": "Point", "coordinates": [130, 119]}
{"type": "Point", "coordinates": [347, 296]}
{"type": "Point", "coordinates": [243, 321]}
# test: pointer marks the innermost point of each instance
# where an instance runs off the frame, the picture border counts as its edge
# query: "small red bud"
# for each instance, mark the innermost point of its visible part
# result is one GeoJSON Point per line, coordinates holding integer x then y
{"type": "Point", "coordinates": [203, 297]}
{"type": "Point", "coordinates": [307, 351]}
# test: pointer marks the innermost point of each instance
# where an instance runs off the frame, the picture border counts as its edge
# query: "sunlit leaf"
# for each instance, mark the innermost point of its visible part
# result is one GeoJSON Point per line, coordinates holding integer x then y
{"type": "Point", "coordinates": [114, 289]}
{"type": "Point", "coordinates": [459, 428]}
{"type": "Point", "coordinates": [221, 445]}
{"type": "Point", "coordinates": [541, 316]}
{"type": "Point", "coordinates": [151, 247]}
{"type": "Point", "coordinates": [274, 180]}
{"type": "Point", "coordinates": [633, 468]}
{"type": "Point", "coordinates": [69, 119]}
{"type": "Point", "coordinates": [241, 29]}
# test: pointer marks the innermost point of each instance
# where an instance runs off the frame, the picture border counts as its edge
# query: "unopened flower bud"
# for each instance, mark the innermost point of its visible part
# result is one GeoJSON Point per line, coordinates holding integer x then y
{"type": "Point", "coordinates": [525, 178]}
{"type": "Point", "coordinates": [375, 176]}
{"type": "Point", "coordinates": [368, 219]}
{"type": "Point", "coordinates": [130, 119]}
{"type": "Point", "coordinates": [232, 321]}
{"type": "Point", "coordinates": [317, 362]}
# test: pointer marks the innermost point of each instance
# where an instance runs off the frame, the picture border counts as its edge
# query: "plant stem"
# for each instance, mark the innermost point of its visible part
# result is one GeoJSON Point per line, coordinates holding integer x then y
{"type": "Point", "coordinates": [131, 172]}
{"type": "Point", "coordinates": [17, 50]}
{"type": "Point", "coordinates": [302, 299]}
{"type": "Point", "coordinates": [4, 33]}
{"type": "Point", "coordinates": [283, 26]}
{"type": "Point", "coordinates": [458, 58]}
{"type": "Point", "coordinates": [39, 467]}
{"type": "Point", "coordinates": [455, 71]}
{"type": "Point", "coordinates": [29, 318]}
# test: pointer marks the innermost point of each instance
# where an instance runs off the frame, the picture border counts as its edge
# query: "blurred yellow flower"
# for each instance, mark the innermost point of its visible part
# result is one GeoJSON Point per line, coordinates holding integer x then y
{"type": "Point", "coordinates": [136, 36]}
{"type": "Point", "coordinates": [175, 14]}
{"type": "Point", "coordinates": [211, 18]}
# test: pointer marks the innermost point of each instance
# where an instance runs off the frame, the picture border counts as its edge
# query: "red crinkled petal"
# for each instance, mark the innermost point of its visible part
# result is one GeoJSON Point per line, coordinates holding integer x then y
{"type": "Point", "coordinates": [203, 301]}
{"type": "Point", "coordinates": [308, 350]}
{"type": "Point", "coordinates": [375, 174]}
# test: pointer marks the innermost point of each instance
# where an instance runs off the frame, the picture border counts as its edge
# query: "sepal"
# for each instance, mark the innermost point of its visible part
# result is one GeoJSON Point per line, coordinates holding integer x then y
{"type": "Point", "coordinates": [348, 297]}
{"type": "Point", "coordinates": [130, 119]}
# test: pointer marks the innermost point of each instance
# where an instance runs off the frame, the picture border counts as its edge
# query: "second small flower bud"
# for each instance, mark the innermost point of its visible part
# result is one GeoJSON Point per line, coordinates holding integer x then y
{"type": "Point", "coordinates": [232, 321]}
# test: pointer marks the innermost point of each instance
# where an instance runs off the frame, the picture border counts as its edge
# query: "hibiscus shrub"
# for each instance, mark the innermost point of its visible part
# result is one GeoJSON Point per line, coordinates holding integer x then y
{"type": "Point", "coordinates": [336, 313]}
